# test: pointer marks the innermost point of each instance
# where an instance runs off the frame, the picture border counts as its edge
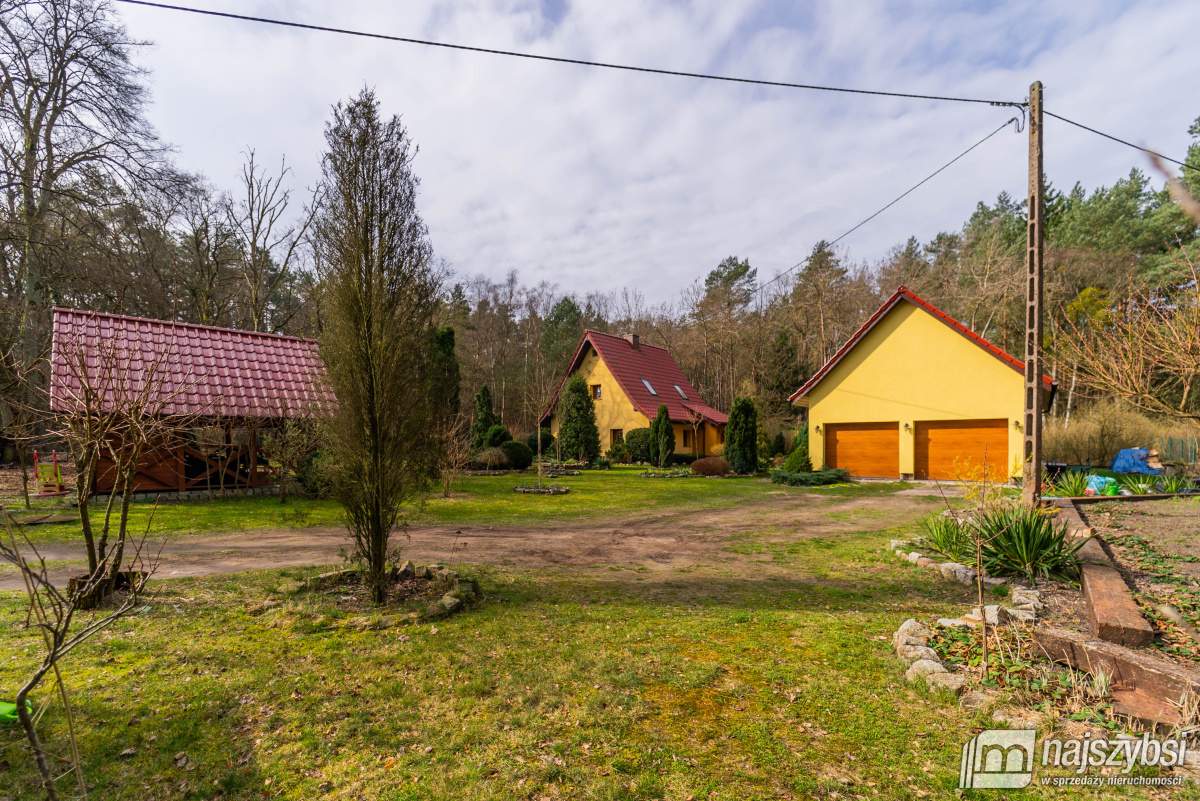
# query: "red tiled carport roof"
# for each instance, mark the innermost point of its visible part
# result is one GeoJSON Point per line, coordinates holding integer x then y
{"type": "Point", "coordinates": [630, 365]}
{"type": "Point", "coordinates": [903, 294]}
{"type": "Point", "coordinates": [202, 370]}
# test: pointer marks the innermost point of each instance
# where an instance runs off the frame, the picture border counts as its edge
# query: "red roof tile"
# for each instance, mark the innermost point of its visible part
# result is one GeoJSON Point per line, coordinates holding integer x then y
{"type": "Point", "coordinates": [633, 368]}
{"type": "Point", "coordinates": [903, 294]}
{"type": "Point", "coordinates": [205, 370]}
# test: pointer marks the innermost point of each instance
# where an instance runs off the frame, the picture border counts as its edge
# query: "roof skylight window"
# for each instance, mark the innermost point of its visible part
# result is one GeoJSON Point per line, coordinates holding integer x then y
{"type": "Point", "coordinates": [647, 383]}
{"type": "Point", "coordinates": [679, 389]}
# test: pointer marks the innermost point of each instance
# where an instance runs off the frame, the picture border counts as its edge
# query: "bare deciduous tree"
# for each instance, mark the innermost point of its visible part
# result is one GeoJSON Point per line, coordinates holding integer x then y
{"type": "Point", "coordinates": [53, 612]}
{"type": "Point", "coordinates": [1143, 348]}
{"type": "Point", "coordinates": [269, 244]}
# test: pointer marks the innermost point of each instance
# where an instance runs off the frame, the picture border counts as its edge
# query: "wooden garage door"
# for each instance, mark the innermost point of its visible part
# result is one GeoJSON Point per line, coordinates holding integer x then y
{"type": "Point", "coordinates": [951, 449]}
{"type": "Point", "coordinates": [867, 450]}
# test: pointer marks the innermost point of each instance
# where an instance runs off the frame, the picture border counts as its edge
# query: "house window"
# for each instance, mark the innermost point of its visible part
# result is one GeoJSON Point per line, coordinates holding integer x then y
{"type": "Point", "coordinates": [650, 388]}
{"type": "Point", "coordinates": [687, 436]}
{"type": "Point", "coordinates": [679, 389]}
{"type": "Point", "coordinates": [595, 392]}
{"type": "Point", "coordinates": [617, 435]}
{"type": "Point", "coordinates": [721, 435]}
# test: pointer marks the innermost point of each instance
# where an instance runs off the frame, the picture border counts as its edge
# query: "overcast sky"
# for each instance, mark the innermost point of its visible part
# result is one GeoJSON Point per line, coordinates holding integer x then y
{"type": "Point", "coordinates": [602, 180]}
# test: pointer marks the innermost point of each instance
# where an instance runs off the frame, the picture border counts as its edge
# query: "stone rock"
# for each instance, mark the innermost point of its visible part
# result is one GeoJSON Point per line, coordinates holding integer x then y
{"type": "Point", "coordinates": [922, 668]}
{"type": "Point", "coordinates": [953, 623]}
{"type": "Point", "coordinates": [446, 574]}
{"type": "Point", "coordinates": [925, 561]}
{"type": "Point", "coordinates": [360, 623]}
{"type": "Point", "coordinates": [989, 582]}
{"type": "Point", "coordinates": [953, 682]}
{"type": "Point", "coordinates": [1027, 599]}
{"type": "Point", "coordinates": [1020, 615]}
{"type": "Point", "coordinates": [435, 567]}
{"type": "Point", "coordinates": [915, 653]}
{"type": "Point", "coordinates": [464, 590]}
{"type": "Point", "coordinates": [898, 544]}
{"type": "Point", "coordinates": [974, 699]}
{"type": "Point", "coordinates": [913, 557]}
{"type": "Point", "coordinates": [993, 614]}
{"type": "Point", "coordinates": [450, 603]}
{"type": "Point", "coordinates": [422, 572]}
{"type": "Point", "coordinates": [956, 572]}
{"type": "Point", "coordinates": [435, 611]}
{"type": "Point", "coordinates": [901, 554]}
{"type": "Point", "coordinates": [407, 570]}
{"type": "Point", "coordinates": [269, 605]}
{"type": "Point", "coordinates": [290, 587]}
{"type": "Point", "coordinates": [914, 628]}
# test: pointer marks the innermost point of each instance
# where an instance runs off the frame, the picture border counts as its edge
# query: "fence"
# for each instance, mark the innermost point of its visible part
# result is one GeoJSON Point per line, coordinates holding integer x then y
{"type": "Point", "coordinates": [1178, 450]}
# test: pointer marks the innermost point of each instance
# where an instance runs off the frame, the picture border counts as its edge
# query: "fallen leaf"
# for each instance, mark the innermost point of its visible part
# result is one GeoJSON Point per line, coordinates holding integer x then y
{"type": "Point", "coordinates": [128, 752]}
{"type": "Point", "coordinates": [180, 759]}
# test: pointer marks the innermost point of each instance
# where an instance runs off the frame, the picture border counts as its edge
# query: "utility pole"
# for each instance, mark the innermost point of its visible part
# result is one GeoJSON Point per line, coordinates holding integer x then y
{"type": "Point", "coordinates": [1033, 305]}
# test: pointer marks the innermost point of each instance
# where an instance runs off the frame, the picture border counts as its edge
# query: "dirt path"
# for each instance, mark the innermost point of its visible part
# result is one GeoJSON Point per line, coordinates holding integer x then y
{"type": "Point", "coordinates": [663, 540]}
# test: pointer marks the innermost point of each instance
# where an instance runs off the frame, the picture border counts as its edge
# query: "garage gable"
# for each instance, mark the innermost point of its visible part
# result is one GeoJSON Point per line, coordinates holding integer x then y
{"type": "Point", "coordinates": [905, 302]}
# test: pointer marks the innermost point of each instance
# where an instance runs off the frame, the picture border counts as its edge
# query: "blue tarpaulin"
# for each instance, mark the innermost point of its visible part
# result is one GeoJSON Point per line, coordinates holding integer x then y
{"type": "Point", "coordinates": [1133, 460]}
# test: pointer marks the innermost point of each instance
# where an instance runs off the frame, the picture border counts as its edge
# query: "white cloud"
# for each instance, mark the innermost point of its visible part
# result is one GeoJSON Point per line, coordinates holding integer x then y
{"type": "Point", "coordinates": [597, 179]}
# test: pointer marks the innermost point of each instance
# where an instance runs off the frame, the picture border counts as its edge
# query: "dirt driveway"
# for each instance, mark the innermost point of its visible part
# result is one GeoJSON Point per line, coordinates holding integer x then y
{"type": "Point", "coordinates": [661, 540]}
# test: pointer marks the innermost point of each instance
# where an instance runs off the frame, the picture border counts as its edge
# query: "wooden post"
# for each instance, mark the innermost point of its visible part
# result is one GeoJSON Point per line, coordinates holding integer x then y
{"type": "Point", "coordinates": [1033, 307]}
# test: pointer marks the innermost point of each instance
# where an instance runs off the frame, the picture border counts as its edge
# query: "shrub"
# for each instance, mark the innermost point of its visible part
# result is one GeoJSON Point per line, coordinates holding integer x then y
{"type": "Point", "coordinates": [945, 535]}
{"type": "Point", "coordinates": [547, 442]}
{"type": "Point", "coordinates": [741, 437]}
{"type": "Point", "coordinates": [492, 458]}
{"type": "Point", "coordinates": [577, 410]}
{"type": "Point", "coordinates": [1173, 485]}
{"type": "Point", "coordinates": [662, 438]}
{"type": "Point", "coordinates": [683, 458]}
{"type": "Point", "coordinates": [637, 442]}
{"type": "Point", "coordinates": [1138, 484]}
{"type": "Point", "coordinates": [830, 475]}
{"type": "Point", "coordinates": [1020, 541]}
{"type": "Point", "coordinates": [1096, 434]}
{"type": "Point", "coordinates": [1071, 484]}
{"type": "Point", "coordinates": [496, 436]}
{"type": "Point", "coordinates": [312, 473]}
{"type": "Point", "coordinates": [618, 453]}
{"type": "Point", "coordinates": [518, 453]}
{"type": "Point", "coordinates": [485, 418]}
{"type": "Point", "coordinates": [718, 449]}
{"type": "Point", "coordinates": [600, 463]}
{"type": "Point", "coordinates": [779, 447]}
{"type": "Point", "coordinates": [798, 461]}
{"type": "Point", "coordinates": [711, 466]}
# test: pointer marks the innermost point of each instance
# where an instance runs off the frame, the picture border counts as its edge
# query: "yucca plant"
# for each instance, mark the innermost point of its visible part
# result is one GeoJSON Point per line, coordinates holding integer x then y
{"type": "Point", "coordinates": [945, 535]}
{"type": "Point", "coordinates": [1021, 541]}
{"type": "Point", "coordinates": [1072, 484]}
{"type": "Point", "coordinates": [1138, 484]}
{"type": "Point", "coordinates": [1173, 485]}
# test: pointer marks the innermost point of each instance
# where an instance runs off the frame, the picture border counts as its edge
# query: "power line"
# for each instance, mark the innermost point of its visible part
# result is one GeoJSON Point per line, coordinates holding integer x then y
{"type": "Point", "coordinates": [1185, 165]}
{"type": "Point", "coordinates": [905, 194]}
{"type": "Point", "coordinates": [560, 60]}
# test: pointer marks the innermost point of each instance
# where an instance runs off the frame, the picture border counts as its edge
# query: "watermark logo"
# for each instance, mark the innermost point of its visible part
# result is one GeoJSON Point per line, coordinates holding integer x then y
{"type": "Point", "coordinates": [1003, 759]}
{"type": "Point", "coordinates": [998, 759]}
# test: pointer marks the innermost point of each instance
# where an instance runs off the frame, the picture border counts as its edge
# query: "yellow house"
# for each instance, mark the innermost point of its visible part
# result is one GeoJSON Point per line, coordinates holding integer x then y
{"type": "Point", "coordinates": [915, 393]}
{"type": "Point", "coordinates": [628, 380]}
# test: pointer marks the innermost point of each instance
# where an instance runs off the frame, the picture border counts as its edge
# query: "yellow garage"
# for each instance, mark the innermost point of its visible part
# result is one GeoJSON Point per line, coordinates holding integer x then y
{"type": "Point", "coordinates": [916, 394]}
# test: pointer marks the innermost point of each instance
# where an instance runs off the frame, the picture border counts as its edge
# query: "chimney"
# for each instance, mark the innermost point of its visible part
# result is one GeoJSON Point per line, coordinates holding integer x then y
{"type": "Point", "coordinates": [633, 339]}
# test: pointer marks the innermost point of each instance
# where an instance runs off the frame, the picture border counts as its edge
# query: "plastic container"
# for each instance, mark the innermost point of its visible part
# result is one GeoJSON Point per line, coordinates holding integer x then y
{"type": "Point", "coordinates": [8, 712]}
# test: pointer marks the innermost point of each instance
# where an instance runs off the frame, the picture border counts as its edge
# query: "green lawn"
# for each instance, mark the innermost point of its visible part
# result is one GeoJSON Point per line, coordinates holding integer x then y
{"type": "Point", "coordinates": [769, 677]}
{"type": "Point", "coordinates": [477, 500]}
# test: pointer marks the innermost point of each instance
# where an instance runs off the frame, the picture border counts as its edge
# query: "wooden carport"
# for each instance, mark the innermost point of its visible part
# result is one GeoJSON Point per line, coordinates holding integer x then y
{"type": "Point", "coordinates": [237, 383]}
